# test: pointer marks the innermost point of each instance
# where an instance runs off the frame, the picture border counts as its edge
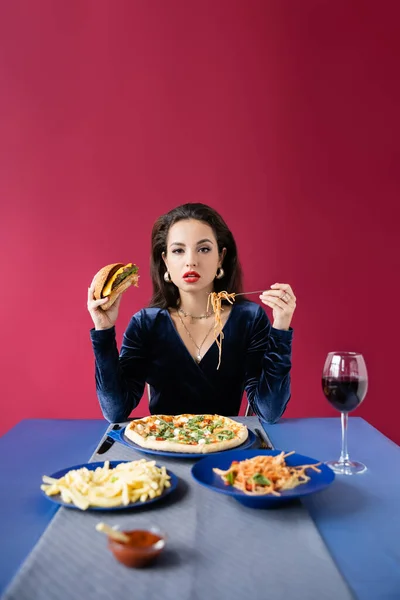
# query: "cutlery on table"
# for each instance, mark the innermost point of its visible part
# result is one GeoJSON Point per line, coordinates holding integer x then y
{"type": "Point", "coordinates": [264, 440]}
{"type": "Point", "coordinates": [108, 442]}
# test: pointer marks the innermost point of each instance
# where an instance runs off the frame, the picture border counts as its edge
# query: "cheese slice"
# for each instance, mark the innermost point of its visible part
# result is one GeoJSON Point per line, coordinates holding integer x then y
{"type": "Point", "coordinates": [107, 288]}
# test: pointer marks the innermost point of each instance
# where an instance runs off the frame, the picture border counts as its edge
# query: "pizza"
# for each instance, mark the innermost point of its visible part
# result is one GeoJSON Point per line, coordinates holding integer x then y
{"type": "Point", "coordinates": [198, 434]}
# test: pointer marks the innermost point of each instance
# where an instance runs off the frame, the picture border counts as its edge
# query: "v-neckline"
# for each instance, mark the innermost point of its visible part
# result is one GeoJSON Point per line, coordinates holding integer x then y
{"type": "Point", "coordinates": [198, 364]}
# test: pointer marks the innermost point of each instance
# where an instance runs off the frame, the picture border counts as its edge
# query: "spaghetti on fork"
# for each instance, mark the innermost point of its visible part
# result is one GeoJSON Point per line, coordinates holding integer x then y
{"type": "Point", "coordinates": [265, 474]}
{"type": "Point", "coordinates": [215, 298]}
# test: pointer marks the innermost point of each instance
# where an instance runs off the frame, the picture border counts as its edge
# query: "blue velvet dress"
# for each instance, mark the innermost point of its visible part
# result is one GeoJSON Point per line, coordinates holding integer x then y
{"type": "Point", "coordinates": [255, 357]}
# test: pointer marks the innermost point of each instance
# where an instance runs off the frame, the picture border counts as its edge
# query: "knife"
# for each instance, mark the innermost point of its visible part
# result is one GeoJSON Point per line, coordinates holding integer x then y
{"type": "Point", "coordinates": [264, 439]}
{"type": "Point", "coordinates": [108, 442]}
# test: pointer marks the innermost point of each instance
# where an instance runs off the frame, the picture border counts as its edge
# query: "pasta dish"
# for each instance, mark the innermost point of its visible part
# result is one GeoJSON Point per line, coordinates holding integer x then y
{"type": "Point", "coordinates": [265, 474]}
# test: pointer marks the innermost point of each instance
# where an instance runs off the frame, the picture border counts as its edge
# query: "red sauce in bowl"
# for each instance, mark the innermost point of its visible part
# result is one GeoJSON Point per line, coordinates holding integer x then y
{"type": "Point", "coordinates": [143, 547]}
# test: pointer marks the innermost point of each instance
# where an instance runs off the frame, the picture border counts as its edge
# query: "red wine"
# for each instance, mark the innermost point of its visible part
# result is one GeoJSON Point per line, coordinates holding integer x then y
{"type": "Point", "coordinates": [344, 394]}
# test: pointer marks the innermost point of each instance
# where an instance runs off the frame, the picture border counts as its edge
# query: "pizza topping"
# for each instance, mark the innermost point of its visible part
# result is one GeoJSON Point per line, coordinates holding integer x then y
{"type": "Point", "coordinates": [195, 420]}
{"type": "Point", "coordinates": [225, 434]}
{"type": "Point", "coordinates": [216, 424]}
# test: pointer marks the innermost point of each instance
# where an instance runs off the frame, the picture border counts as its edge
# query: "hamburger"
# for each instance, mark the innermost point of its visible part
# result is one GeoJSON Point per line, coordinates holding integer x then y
{"type": "Point", "coordinates": [111, 281]}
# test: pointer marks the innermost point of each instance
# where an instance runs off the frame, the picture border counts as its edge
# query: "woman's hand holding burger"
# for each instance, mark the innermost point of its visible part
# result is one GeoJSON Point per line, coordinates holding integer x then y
{"type": "Point", "coordinates": [104, 293]}
{"type": "Point", "coordinates": [102, 319]}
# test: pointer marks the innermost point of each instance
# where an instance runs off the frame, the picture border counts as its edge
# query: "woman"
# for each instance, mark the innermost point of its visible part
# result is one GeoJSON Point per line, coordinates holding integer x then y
{"type": "Point", "coordinates": [171, 346]}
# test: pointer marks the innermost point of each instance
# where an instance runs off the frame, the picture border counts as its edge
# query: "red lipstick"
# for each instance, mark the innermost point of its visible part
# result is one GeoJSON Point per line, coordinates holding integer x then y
{"type": "Point", "coordinates": [191, 277]}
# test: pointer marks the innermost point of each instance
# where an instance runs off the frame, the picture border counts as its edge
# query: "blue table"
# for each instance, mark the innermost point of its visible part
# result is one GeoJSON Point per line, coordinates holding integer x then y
{"type": "Point", "coordinates": [50, 445]}
{"type": "Point", "coordinates": [358, 517]}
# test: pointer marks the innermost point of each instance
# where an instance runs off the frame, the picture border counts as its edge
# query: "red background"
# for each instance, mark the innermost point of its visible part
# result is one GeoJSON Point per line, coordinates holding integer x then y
{"type": "Point", "coordinates": [282, 115]}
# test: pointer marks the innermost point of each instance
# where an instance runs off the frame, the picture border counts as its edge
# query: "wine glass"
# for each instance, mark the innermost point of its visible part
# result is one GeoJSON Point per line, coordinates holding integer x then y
{"type": "Point", "coordinates": [345, 384]}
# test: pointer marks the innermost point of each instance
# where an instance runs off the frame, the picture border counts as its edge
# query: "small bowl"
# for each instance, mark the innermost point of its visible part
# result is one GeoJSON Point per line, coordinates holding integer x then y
{"type": "Point", "coordinates": [143, 547]}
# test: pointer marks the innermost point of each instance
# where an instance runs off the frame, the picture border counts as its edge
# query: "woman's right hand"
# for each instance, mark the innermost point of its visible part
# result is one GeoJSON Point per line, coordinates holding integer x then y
{"type": "Point", "coordinates": [102, 319]}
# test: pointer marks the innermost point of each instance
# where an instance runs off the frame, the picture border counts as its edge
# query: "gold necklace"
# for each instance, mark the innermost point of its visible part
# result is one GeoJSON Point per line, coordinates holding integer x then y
{"type": "Point", "coordinates": [185, 314]}
{"type": "Point", "coordinates": [198, 357]}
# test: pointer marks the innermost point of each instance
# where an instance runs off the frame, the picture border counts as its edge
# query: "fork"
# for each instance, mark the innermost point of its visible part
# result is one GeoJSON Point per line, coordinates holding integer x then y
{"type": "Point", "coordinates": [249, 293]}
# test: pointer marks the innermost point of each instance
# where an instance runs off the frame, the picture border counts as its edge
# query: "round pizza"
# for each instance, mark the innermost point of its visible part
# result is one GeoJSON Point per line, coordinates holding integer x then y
{"type": "Point", "coordinates": [199, 434]}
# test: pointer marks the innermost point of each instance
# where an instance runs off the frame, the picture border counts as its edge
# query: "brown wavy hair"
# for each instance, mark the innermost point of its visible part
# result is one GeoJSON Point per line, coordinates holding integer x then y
{"type": "Point", "coordinates": [167, 294]}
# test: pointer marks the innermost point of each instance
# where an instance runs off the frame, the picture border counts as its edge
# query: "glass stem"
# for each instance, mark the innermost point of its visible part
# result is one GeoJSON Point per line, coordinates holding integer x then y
{"type": "Point", "coordinates": [344, 455]}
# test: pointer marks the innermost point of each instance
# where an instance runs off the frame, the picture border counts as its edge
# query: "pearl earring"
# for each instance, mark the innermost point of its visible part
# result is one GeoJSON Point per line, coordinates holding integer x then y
{"type": "Point", "coordinates": [167, 277]}
{"type": "Point", "coordinates": [220, 273]}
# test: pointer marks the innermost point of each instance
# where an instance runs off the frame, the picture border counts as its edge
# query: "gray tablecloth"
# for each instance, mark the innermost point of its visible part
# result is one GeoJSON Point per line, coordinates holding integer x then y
{"type": "Point", "coordinates": [216, 549]}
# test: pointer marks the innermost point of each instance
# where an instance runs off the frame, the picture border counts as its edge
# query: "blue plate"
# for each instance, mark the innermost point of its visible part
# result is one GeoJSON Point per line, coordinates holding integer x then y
{"type": "Point", "coordinates": [119, 436]}
{"type": "Point", "coordinates": [113, 463]}
{"type": "Point", "coordinates": [203, 473]}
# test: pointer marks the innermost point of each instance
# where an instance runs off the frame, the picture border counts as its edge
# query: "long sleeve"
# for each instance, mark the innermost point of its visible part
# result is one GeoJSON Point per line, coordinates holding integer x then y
{"type": "Point", "coordinates": [268, 364]}
{"type": "Point", "coordinates": [120, 379]}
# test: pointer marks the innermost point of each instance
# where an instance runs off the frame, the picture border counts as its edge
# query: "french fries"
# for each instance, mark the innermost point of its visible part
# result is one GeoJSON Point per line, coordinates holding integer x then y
{"type": "Point", "coordinates": [138, 480]}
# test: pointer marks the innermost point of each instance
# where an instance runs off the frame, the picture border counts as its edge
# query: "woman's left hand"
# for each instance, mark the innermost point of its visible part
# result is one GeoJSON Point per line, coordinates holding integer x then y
{"type": "Point", "coordinates": [283, 303]}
